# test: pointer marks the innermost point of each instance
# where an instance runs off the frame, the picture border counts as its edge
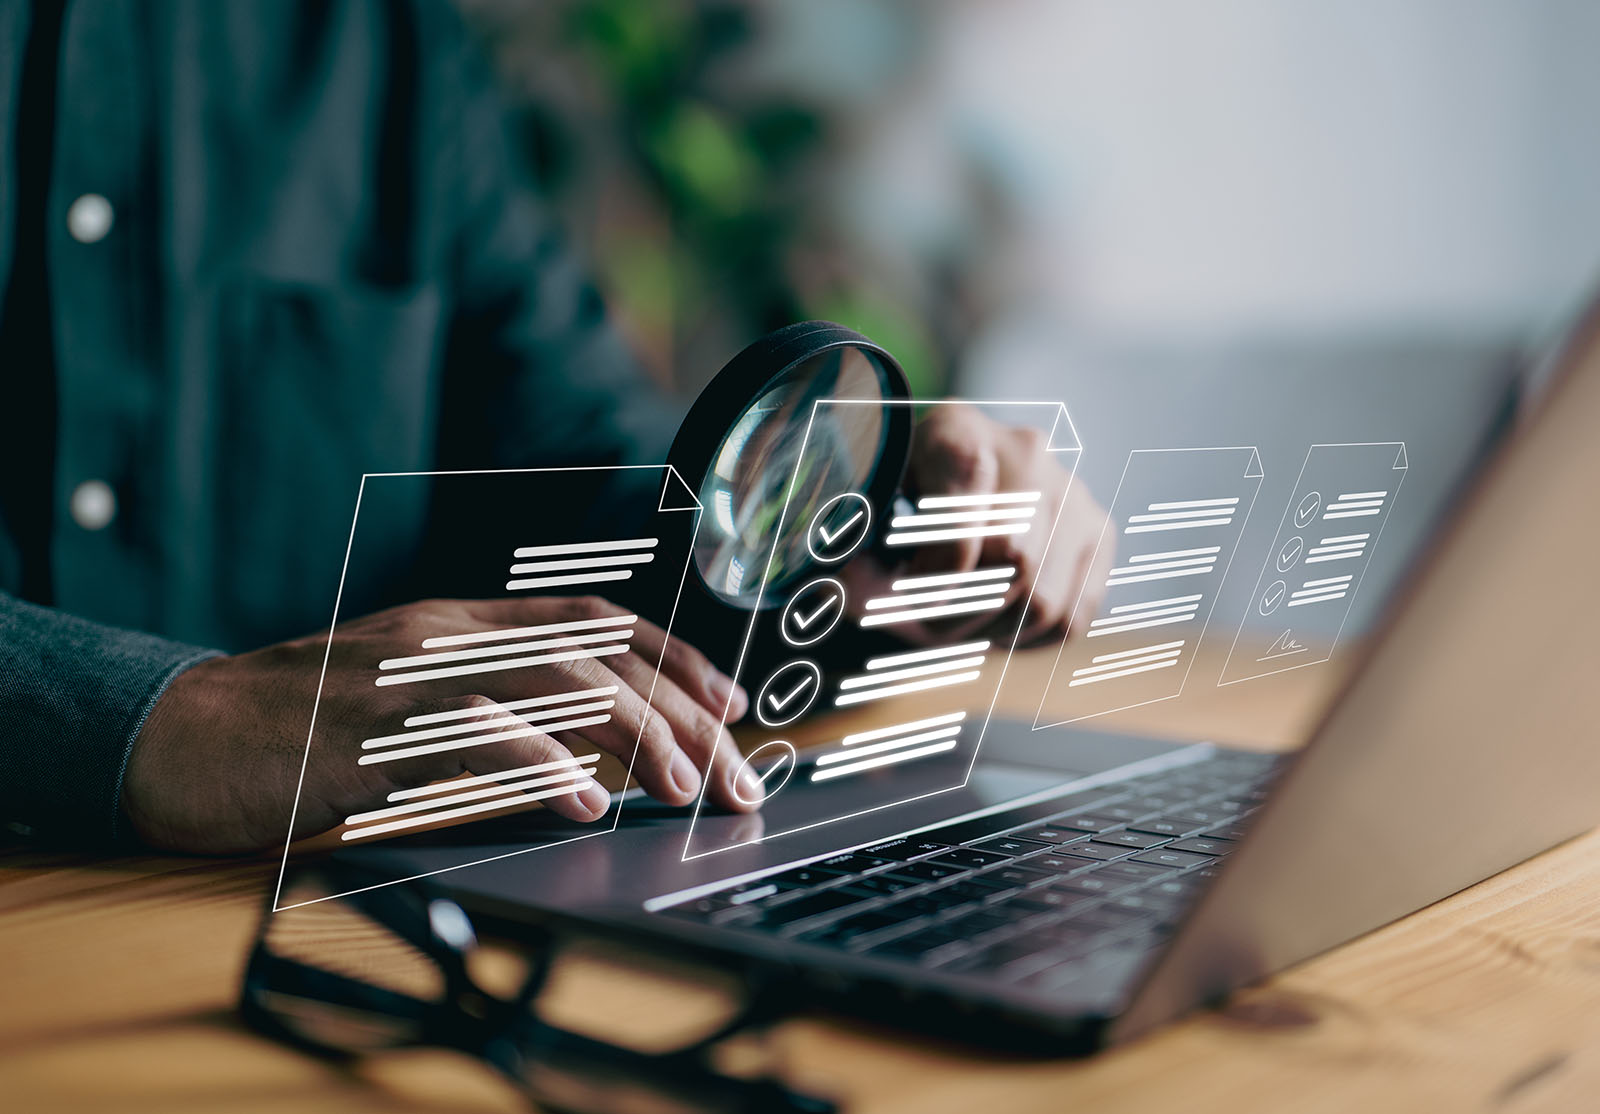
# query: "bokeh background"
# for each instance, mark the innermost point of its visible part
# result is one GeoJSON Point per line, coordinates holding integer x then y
{"type": "Point", "coordinates": [1265, 222]}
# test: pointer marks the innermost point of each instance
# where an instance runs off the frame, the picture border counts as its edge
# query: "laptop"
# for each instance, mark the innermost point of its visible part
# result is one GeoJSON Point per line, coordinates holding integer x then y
{"type": "Point", "coordinates": [1083, 887]}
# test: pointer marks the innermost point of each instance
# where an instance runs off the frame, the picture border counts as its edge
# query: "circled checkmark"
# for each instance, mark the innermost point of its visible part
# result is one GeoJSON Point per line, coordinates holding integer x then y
{"type": "Point", "coordinates": [1290, 553]}
{"type": "Point", "coordinates": [840, 526]}
{"type": "Point", "coordinates": [1273, 597]}
{"type": "Point", "coordinates": [1307, 510]}
{"type": "Point", "coordinates": [788, 693]}
{"type": "Point", "coordinates": [779, 703]}
{"type": "Point", "coordinates": [813, 612]}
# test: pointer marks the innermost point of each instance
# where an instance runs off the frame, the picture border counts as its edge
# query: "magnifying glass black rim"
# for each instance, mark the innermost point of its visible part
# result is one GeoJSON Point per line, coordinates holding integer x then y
{"type": "Point", "coordinates": [750, 374]}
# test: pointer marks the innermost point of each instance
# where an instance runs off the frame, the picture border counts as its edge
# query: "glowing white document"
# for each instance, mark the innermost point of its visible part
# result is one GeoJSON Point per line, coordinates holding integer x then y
{"type": "Point", "coordinates": [1314, 566]}
{"type": "Point", "coordinates": [504, 546]}
{"type": "Point", "coordinates": [1175, 522]}
{"type": "Point", "coordinates": [927, 705]}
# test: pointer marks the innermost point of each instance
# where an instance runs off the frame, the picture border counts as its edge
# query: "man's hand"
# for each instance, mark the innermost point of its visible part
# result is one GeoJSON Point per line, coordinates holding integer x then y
{"type": "Point", "coordinates": [215, 767]}
{"type": "Point", "coordinates": [957, 450]}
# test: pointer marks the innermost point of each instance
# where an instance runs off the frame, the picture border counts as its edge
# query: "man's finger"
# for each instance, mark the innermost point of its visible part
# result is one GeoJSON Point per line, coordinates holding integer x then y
{"type": "Point", "coordinates": [691, 671]}
{"type": "Point", "coordinates": [701, 735]}
{"type": "Point", "coordinates": [953, 454]}
{"type": "Point", "coordinates": [539, 767]}
{"type": "Point", "coordinates": [620, 725]}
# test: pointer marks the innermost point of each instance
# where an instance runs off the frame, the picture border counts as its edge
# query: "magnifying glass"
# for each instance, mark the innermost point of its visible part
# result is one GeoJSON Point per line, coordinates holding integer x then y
{"type": "Point", "coordinates": [746, 431]}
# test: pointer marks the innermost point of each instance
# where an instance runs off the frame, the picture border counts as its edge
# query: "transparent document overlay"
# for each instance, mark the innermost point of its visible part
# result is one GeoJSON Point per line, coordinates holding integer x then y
{"type": "Point", "coordinates": [1316, 562]}
{"type": "Point", "coordinates": [920, 710]}
{"type": "Point", "coordinates": [497, 536]}
{"type": "Point", "coordinates": [1175, 522]}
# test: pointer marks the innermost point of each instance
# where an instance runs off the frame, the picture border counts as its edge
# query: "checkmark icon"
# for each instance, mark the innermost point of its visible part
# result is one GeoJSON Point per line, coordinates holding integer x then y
{"type": "Point", "coordinates": [1307, 510]}
{"type": "Point", "coordinates": [778, 756]}
{"type": "Point", "coordinates": [831, 536]}
{"type": "Point", "coordinates": [1273, 596]}
{"type": "Point", "coordinates": [812, 612]}
{"type": "Point", "coordinates": [788, 693]}
{"type": "Point", "coordinates": [778, 704]}
{"type": "Point", "coordinates": [839, 526]}
{"type": "Point", "coordinates": [803, 620]}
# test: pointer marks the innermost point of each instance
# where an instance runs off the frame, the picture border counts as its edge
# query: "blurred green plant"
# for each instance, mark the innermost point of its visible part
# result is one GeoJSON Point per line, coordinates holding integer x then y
{"type": "Point", "coordinates": [701, 192]}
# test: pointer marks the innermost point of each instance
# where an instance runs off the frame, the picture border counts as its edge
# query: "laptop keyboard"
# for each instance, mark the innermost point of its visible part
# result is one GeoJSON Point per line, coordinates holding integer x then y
{"type": "Point", "coordinates": [1033, 896]}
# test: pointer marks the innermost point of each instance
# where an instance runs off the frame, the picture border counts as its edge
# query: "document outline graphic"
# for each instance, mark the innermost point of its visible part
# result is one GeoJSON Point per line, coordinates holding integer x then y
{"type": "Point", "coordinates": [1062, 441]}
{"type": "Point", "coordinates": [1345, 515]}
{"type": "Point", "coordinates": [1171, 569]}
{"type": "Point", "coordinates": [587, 638]}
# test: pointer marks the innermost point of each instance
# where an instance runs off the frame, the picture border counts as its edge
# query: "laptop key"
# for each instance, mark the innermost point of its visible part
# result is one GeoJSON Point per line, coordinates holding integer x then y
{"type": "Point", "coordinates": [1164, 826]}
{"type": "Point", "coordinates": [1056, 864]}
{"type": "Point", "coordinates": [962, 893]}
{"type": "Point", "coordinates": [976, 924]}
{"type": "Point", "coordinates": [1144, 900]}
{"type": "Point", "coordinates": [812, 905]}
{"type": "Point", "coordinates": [1226, 831]}
{"type": "Point", "coordinates": [1184, 885]}
{"type": "Point", "coordinates": [1202, 846]}
{"type": "Point", "coordinates": [925, 872]}
{"type": "Point", "coordinates": [1201, 817]}
{"type": "Point", "coordinates": [801, 876]}
{"type": "Point", "coordinates": [962, 856]}
{"type": "Point", "coordinates": [1105, 917]}
{"type": "Point", "coordinates": [904, 850]}
{"type": "Point", "coordinates": [1040, 901]}
{"type": "Point", "coordinates": [1152, 803]}
{"type": "Point", "coordinates": [877, 885]}
{"type": "Point", "coordinates": [1053, 834]}
{"type": "Point", "coordinates": [1097, 851]}
{"type": "Point", "coordinates": [1010, 846]}
{"type": "Point", "coordinates": [910, 908]}
{"type": "Point", "coordinates": [1093, 822]}
{"type": "Point", "coordinates": [1162, 856]}
{"type": "Point", "coordinates": [965, 831]}
{"type": "Point", "coordinates": [918, 945]}
{"type": "Point", "coordinates": [842, 932]}
{"type": "Point", "coordinates": [1089, 885]}
{"type": "Point", "coordinates": [853, 862]}
{"type": "Point", "coordinates": [1017, 875]}
{"type": "Point", "coordinates": [1131, 871]}
{"type": "Point", "coordinates": [1137, 840]}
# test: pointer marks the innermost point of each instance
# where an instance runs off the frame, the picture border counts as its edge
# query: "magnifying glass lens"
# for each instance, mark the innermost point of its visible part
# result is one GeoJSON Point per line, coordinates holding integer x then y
{"type": "Point", "coordinates": [744, 487]}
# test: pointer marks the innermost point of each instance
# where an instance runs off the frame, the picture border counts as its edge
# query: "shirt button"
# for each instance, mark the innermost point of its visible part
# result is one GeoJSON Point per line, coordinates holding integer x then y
{"type": "Point", "coordinates": [89, 218]}
{"type": "Point", "coordinates": [93, 504]}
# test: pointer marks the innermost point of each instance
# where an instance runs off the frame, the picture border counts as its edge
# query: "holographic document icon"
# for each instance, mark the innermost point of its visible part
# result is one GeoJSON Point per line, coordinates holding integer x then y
{"type": "Point", "coordinates": [922, 707]}
{"type": "Point", "coordinates": [1316, 562]}
{"type": "Point", "coordinates": [452, 708]}
{"type": "Point", "coordinates": [1175, 522]}
{"type": "Point", "coordinates": [1317, 559]}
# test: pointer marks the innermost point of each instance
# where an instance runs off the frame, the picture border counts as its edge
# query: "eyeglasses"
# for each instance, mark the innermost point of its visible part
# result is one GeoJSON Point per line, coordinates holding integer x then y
{"type": "Point", "coordinates": [390, 967]}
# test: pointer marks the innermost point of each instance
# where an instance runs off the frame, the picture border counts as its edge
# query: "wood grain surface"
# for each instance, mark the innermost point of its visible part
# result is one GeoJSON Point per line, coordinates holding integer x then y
{"type": "Point", "coordinates": [118, 978]}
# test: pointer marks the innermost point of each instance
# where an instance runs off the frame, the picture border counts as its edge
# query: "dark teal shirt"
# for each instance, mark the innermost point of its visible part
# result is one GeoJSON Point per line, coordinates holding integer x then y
{"type": "Point", "coordinates": [321, 262]}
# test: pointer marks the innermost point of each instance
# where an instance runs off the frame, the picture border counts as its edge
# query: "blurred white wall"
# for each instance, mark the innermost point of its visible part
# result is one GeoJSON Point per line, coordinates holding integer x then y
{"type": "Point", "coordinates": [1266, 166]}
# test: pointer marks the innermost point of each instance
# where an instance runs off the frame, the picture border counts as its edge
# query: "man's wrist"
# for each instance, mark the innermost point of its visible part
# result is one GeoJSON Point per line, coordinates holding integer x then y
{"type": "Point", "coordinates": [153, 724]}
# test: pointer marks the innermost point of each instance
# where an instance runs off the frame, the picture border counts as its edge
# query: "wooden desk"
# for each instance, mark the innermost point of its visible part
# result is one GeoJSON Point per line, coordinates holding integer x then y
{"type": "Point", "coordinates": [117, 982]}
